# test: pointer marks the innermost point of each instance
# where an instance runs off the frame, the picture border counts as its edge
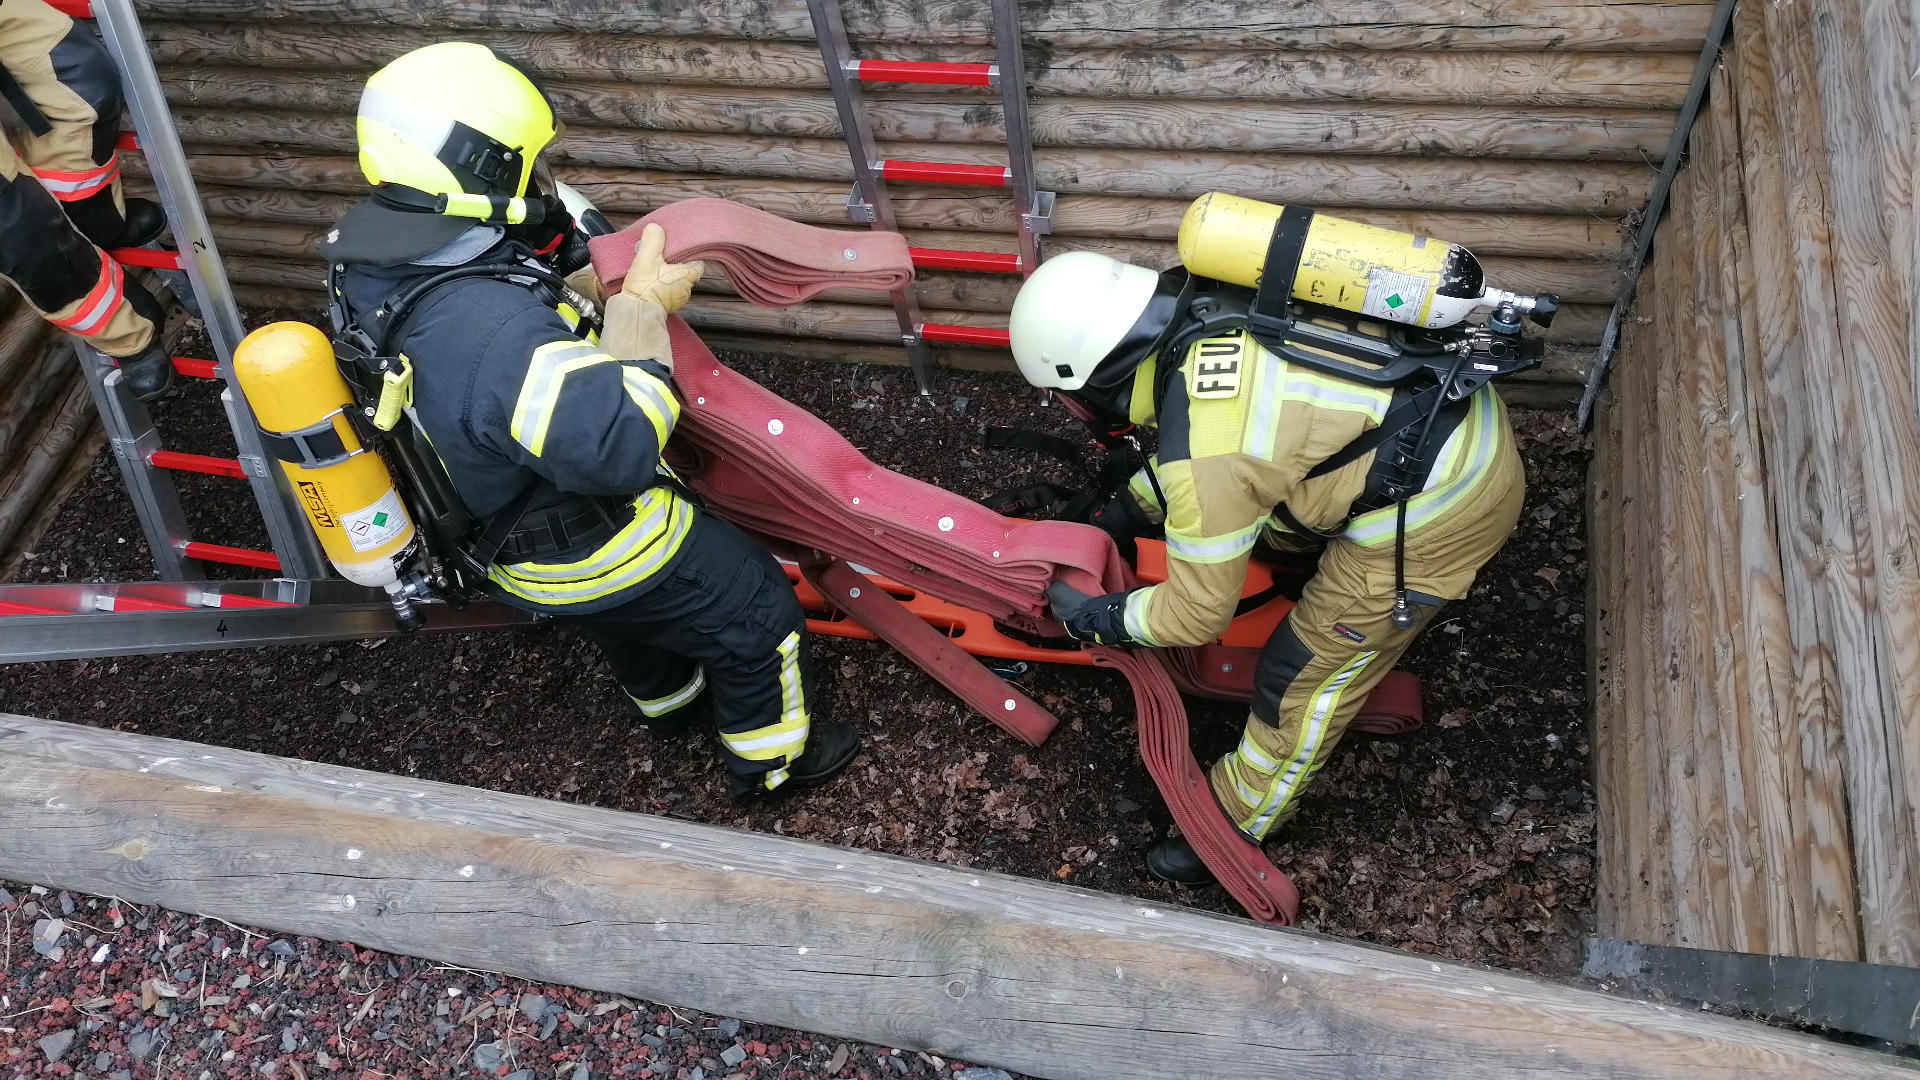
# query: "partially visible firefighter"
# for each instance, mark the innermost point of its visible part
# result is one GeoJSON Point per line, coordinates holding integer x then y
{"type": "Point", "coordinates": [60, 197]}
{"type": "Point", "coordinates": [1398, 473]}
{"type": "Point", "coordinates": [469, 269]}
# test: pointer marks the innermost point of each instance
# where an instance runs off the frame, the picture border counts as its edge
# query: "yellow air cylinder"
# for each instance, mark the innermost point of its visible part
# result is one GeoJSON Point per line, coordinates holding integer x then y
{"type": "Point", "coordinates": [288, 373]}
{"type": "Point", "coordinates": [1383, 273]}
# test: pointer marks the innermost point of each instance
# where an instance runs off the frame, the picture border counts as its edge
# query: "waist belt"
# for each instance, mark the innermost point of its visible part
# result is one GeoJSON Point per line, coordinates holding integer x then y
{"type": "Point", "coordinates": [580, 523]}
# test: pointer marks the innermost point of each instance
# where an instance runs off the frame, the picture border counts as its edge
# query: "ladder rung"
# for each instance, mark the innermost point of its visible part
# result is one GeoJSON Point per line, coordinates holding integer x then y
{"type": "Point", "coordinates": [14, 607]}
{"type": "Point", "coordinates": [127, 141]}
{"type": "Point", "coordinates": [940, 172]}
{"type": "Point", "coordinates": [228, 601]}
{"type": "Point", "coordinates": [933, 74]}
{"type": "Point", "coordinates": [200, 463]}
{"type": "Point", "coordinates": [147, 257]}
{"type": "Point", "coordinates": [220, 553]}
{"type": "Point", "coordinates": [134, 603]}
{"type": "Point", "coordinates": [195, 368]}
{"type": "Point", "coordinates": [965, 335]}
{"type": "Point", "coordinates": [954, 259]}
{"type": "Point", "coordinates": [78, 9]}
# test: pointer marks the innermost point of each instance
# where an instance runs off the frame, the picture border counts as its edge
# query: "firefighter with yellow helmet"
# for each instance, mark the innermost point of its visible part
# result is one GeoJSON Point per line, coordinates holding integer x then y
{"type": "Point", "coordinates": [552, 435]}
{"type": "Point", "coordinates": [1256, 451]}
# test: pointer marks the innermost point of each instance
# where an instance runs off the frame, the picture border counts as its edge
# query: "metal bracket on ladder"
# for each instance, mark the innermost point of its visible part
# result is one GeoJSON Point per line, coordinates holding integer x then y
{"type": "Point", "coordinates": [297, 552]}
{"type": "Point", "coordinates": [868, 203]}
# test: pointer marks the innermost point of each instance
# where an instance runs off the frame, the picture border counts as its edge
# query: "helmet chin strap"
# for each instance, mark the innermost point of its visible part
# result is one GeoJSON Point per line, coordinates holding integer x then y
{"type": "Point", "coordinates": [1104, 411]}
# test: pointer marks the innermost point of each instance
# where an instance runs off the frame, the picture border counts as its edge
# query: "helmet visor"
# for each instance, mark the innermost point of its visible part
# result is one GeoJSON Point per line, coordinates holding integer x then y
{"type": "Point", "coordinates": [1145, 336]}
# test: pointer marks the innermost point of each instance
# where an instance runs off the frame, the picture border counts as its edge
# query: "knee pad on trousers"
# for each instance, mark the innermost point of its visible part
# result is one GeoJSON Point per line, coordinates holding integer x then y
{"type": "Point", "coordinates": [1281, 660]}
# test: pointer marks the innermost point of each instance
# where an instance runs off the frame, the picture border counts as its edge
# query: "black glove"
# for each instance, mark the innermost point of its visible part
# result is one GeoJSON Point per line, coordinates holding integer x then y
{"type": "Point", "coordinates": [546, 235]}
{"type": "Point", "coordinates": [1099, 619]}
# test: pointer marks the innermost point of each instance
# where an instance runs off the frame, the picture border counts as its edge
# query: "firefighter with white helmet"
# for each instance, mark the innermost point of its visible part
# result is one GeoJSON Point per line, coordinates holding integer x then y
{"type": "Point", "coordinates": [552, 435]}
{"type": "Point", "coordinates": [1243, 437]}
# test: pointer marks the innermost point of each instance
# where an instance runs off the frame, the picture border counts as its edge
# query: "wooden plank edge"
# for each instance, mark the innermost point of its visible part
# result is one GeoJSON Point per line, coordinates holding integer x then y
{"type": "Point", "coordinates": [1040, 978]}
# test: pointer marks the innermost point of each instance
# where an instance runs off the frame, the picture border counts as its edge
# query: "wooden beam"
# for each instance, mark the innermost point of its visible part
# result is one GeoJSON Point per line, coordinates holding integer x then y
{"type": "Point", "coordinates": [1160, 123]}
{"type": "Point", "coordinates": [1526, 25]}
{"type": "Point", "coordinates": [1329, 180]}
{"type": "Point", "coordinates": [1031, 976]}
{"type": "Point", "coordinates": [1601, 80]}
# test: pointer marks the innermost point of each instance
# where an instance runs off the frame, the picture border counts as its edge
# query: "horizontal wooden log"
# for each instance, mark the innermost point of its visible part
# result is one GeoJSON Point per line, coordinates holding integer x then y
{"type": "Point", "coordinates": [1536, 78]}
{"type": "Point", "coordinates": [635, 192]}
{"type": "Point", "coordinates": [31, 474]}
{"type": "Point", "coordinates": [1330, 180]}
{"type": "Point", "coordinates": [1333, 127]}
{"type": "Point", "coordinates": [1027, 975]}
{"type": "Point", "coordinates": [24, 337]}
{"type": "Point", "coordinates": [1526, 25]}
{"type": "Point", "coordinates": [27, 400]}
{"type": "Point", "coordinates": [78, 467]}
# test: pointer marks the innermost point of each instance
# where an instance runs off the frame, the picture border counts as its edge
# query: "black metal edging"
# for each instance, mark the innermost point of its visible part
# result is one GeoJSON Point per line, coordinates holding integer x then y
{"type": "Point", "coordinates": [1656, 205]}
{"type": "Point", "coordinates": [1875, 1000]}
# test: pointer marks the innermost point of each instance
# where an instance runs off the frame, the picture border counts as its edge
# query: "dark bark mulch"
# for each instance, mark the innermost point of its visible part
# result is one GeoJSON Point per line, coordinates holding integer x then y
{"type": "Point", "coordinates": [1470, 839]}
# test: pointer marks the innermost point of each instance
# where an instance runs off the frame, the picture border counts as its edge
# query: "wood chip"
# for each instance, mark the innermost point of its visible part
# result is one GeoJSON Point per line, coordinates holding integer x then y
{"type": "Point", "coordinates": [839, 1060]}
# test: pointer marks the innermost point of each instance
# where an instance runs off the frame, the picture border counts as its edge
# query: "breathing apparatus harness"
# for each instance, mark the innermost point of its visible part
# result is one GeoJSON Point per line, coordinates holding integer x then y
{"type": "Point", "coordinates": [1431, 372]}
{"type": "Point", "coordinates": [460, 550]}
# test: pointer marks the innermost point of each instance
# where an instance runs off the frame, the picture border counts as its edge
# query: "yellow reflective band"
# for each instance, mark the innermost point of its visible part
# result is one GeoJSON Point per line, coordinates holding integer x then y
{"type": "Point", "coordinates": [1313, 732]}
{"type": "Point", "coordinates": [1142, 487]}
{"type": "Point", "coordinates": [661, 521]}
{"type": "Point", "coordinates": [540, 390]}
{"type": "Point", "coordinates": [1261, 431]}
{"type": "Point", "coordinates": [1213, 549]}
{"type": "Point", "coordinates": [1140, 405]}
{"type": "Point", "coordinates": [1325, 392]}
{"type": "Point", "coordinates": [1256, 757]}
{"type": "Point", "coordinates": [787, 738]}
{"type": "Point", "coordinates": [1134, 617]}
{"type": "Point", "coordinates": [1461, 467]}
{"type": "Point", "coordinates": [654, 399]}
{"type": "Point", "coordinates": [1249, 794]}
{"type": "Point", "coordinates": [661, 706]}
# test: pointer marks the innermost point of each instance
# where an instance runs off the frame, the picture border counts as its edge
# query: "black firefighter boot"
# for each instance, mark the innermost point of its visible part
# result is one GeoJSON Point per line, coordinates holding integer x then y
{"type": "Point", "coordinates": [830, 748]}
{"type": "Point", "coordinates": [1174, 861]}
{"type": "Point", "coordinates": [149, 374]}
{"type": "Point", "coordinates": [99, 218]}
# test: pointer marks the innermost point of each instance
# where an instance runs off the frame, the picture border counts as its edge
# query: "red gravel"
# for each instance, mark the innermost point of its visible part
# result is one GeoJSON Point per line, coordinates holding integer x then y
{"type": "Point", "coordinates": [132, 992]}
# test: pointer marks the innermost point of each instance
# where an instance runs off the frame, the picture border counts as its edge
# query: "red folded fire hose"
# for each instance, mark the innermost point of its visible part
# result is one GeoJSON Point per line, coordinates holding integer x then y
{"type": "Point", "coordinates": [778, 471]}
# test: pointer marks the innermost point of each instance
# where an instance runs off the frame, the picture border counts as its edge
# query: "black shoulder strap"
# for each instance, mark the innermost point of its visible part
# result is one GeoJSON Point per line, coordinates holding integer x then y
{"type": "Point", "coordinates": [23, 105]}
{"type": "Point", "coordinates": [1403, 416]}
{"type": "Point", "coordinates": [1008, 438]}
{"type": "Point", "coordinates": [1272, 300]}
{"type": "Point", "coordinates": [501, 525]}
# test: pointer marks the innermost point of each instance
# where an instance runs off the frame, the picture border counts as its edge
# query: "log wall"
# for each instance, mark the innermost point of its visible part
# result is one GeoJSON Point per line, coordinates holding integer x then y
{"type": "Point", "coordinates": [1522, 128]}
{"type": "Point", "coordinates": [49, 435]}
{"type": "Point", "coordinates": [1754, 495]}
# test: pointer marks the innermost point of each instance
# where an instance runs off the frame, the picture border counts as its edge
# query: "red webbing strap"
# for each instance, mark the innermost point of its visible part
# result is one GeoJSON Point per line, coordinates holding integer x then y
{"type": "Point", "coordinates": [931, 651]}
{"type": "Point", "coordinates": [1241, 867]}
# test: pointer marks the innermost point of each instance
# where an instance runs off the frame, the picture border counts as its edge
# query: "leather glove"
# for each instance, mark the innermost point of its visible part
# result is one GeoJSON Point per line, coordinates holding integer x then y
{"type": "Point", "coordinates": [1099, 619]}
{"type": "Point", "coordinates": [652, 278]}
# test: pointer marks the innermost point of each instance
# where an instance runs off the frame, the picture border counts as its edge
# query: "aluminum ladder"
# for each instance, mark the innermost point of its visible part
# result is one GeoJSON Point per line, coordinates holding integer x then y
{"type": "Point", "coordinates": [183, 611]}
{"type": "Point", "coordinates": [869, 203]}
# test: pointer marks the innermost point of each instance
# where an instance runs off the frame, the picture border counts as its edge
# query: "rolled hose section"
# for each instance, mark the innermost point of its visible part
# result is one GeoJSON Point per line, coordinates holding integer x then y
{"type": "Point", "coordinates": [1240, 865]}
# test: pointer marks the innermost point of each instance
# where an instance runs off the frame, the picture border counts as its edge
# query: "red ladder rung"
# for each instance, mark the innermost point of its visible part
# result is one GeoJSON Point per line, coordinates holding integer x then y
{"type": "Point", "coordinates": [14, 607]}
{"type": "Point", "coordinates": [197, 463]}
{"type": "Point", "coordinates": [947, 334]}
{"type": "Point", "coordinates": [77, 9]}
{"type": "Point", "coordinates": [147, 257]}
{"type": "Point", "coordinates": [955, 259]}
{"type": "Point", "coordinates": [943, 172]}
{"type": "Point", "coordinates": [220, 553]}
{"type": "Point", "coordinates": [127, 141]}
{"type": "Point", "coordinates": [196, 368]}
{"type": "Point", "coordinates": [929, 73]}
{"type": "Point", "coordinates": [135, 603]}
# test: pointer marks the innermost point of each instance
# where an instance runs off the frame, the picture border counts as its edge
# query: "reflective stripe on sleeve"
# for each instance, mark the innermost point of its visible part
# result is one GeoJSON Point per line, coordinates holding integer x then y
{"type": "Point", "coordinates": [540, 390]}
{"type": "Point", "coordinates": [1213, 549]}
{"type": "Point", "coordinates": [98, 305]}
{"type": "Point", "coordinates": [1134, 617]}
{"type": "Point", "coordinates": [654, 398]}
{"type": "Point", "coordinates": [75, 186]}
{"type": "Point", "coordinates": [661, 706]}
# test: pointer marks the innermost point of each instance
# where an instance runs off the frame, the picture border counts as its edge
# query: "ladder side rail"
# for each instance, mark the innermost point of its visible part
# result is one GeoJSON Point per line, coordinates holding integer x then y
{"type": "Point", "coordinates": [294, 543]}
{"type": "Point", "coordinates": [870, 187]}
{"type": "Point", "coordinates": [131, 433]}
{"type": "Point", "coordinates": [1034, 207]}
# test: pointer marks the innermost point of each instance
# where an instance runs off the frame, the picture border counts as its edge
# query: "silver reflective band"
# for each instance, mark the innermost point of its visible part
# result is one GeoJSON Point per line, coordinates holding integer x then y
{"type": "Point", "coordinates": [425, 129]}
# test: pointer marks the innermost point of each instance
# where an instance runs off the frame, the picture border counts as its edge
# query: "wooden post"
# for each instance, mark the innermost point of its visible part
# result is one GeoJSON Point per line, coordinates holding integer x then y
{"type": "Point", "coordinates": [1031, 976]}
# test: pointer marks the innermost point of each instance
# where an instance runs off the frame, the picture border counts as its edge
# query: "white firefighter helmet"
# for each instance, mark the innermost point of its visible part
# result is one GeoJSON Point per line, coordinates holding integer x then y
{"type": "Point", "coordinates": [1072, 312]}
